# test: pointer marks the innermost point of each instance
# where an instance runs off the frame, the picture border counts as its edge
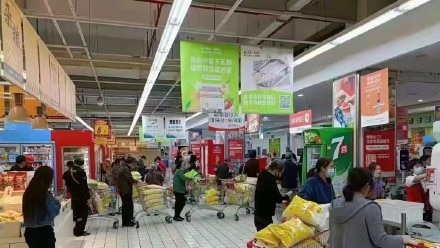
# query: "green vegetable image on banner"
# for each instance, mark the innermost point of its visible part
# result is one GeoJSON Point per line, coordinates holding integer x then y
{"type": "Point", "coordinates": [209, 77]}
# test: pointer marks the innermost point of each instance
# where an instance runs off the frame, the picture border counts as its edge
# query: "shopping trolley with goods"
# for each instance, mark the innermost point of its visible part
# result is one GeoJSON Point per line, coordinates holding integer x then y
{"type": "Point", "coordinates": [154, 201]}
{"type": "Point", "coordinates": [205, 195]}
{"type": "Point", "coordinates": [103, 205]}
{"type": "Point", "coordinates": [319, 240]}
{"type": "Point", "coordinates": [239, 194]}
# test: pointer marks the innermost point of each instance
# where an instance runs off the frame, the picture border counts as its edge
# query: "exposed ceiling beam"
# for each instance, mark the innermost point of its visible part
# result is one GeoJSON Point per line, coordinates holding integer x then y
{"type": "Point", "coordinates": [243, 10]}
{"type": "Point", "coordinates": [280, 21]}
{"type": "Point", "coordinates": [323, 34]}
{"type": "Point", "coordinates": [98, 21]}
{"type": "Point", "coordinates": [225, 19]}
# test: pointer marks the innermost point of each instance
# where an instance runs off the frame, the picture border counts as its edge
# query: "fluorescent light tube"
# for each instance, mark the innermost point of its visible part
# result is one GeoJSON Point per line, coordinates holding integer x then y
{"type": "Point", "coordinates": [83, 123]}
{"type": "Point", "coordinates": [193, 116]}
{"type": "Point", "coordinates": [168, 37]}
{"type": "Point", "coordinates": [357, 31]}
{"type": "Point", "coordinates": [178, 11]}
{"type": "Point", "coordinates": [410, 5]}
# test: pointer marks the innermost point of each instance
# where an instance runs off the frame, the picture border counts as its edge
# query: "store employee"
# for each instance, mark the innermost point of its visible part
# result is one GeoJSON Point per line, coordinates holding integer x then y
{"type": "Point", "coordinates": [23, 163]}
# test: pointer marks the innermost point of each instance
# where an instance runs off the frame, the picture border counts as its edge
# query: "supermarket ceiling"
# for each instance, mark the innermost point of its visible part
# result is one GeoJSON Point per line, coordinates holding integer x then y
{"type": "Point", "coordinates": [107, 46]}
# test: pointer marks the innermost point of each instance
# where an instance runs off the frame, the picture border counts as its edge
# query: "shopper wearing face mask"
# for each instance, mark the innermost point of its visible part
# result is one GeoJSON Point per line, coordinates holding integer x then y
{"type": "Point", "coordinates": [416, 187]}
{"type": "Point", "coordinates": [378, 191]}
{"type": "Point", "coordinates": [318, 187]}
{"type": "Point", "coordinates": [358, 220]}
{"type": "Point", "coordinates": [267, 195]}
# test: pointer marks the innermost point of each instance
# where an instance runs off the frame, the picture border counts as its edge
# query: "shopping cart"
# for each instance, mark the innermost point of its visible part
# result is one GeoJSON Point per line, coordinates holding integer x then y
{"type": "Point", "coordinates": [154, 201]}
{"type": "Point", "coordinates": [240, 195]}
{"type": "Point", "coordinates": [319, 240]}
{"type": "Point", "coordinates": [103, 205]}
{"type": "Point", "coordinates": [197, 189]}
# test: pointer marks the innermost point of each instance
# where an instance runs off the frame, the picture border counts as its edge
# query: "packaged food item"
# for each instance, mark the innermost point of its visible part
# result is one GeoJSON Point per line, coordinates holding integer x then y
{"type": "Point", "coordinates": [92, 183]}
{"type": "Point", "coordinates": [102, 186]}
{"type": "Point", "coordinates": [309, 212]}
{"type": "Point", "coordinates": [152, 202]}
{"type": "Point", "coordinates": [153, 186]}
{"type": "Point", "coordinates": [266, 236]}
{"type": "Point", "coordinates": [211, 192]}
{"type": "Point", "coordinates": [20, 181]}
{"type": "Point", "coordinates": [291, 232]}
{"type": "Point", "coordinates": [153, 196]}
{"type": "Point", "coordinates": [136, 175]}
{"type": "Point", "coordinates": [8, 179]}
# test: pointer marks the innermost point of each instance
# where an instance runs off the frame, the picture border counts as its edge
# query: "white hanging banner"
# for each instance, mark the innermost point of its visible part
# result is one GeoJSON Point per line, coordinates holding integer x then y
{"type": "Point", "coordinates": [175, 127]}
{"type": "Point", "coordinates": [153, 127]}
{"type": "Point", "coordinates": [226, 122]}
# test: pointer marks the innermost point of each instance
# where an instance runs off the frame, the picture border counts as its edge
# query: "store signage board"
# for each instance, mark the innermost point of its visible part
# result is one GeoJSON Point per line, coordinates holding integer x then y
{"type": "Point", "coordinates": [300, 121]}
{"type": "Point", "coordinates": [44, 71]}
{"type": "Point", "coordinates": [209, 77]}
{"type": "Point", "coordinates": [421, 120]}
{"type": "Point", "coordinates": [252, 123]}
{"type": "Point", "coordinates": [153, 127]}
{"type": "Point", "coordinates": [32, 65]}
{"type": "Point", "coordinates": [12, 39]}
{"type": "Point", "coordinates": [379, 147]}
{"type": "Point", "coordinates": [54, 87]}
{"type": "Point", "coordinates": [111, 140]}
{"type": "Point", "coordinates": [62, 85]}
{"type": "Point", "coordinates": [236, 149]}
{"type": "Point", "coordinates": [266, 80]}
{"type": "Point", "coordinates": [275, 146]}
{"type": "Point", "coordinates": [73, 100]}
{"type": "Point", "coordinates": [101, 127]}
{"type": "Point", "coordinates": [226, 122]}
{"type": "Point", "coordinates": [344, 101]}
{"type": "Point", "coordinates": [401, 125]}
{"type": "Point", "coordinates": [175, 127]}
{"type": "Point", "coordinates": [374, 92]}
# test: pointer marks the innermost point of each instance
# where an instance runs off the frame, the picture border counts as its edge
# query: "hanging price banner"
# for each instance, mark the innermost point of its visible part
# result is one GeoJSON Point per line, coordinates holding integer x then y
{"type": "Point", "coordinates": [101, 127]}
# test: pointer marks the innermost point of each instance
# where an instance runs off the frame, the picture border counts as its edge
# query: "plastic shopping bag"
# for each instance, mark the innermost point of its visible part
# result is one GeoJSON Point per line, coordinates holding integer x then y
{"type": "Point", "coordinates": [309, 212]}
{"type": "Point", "coordinates": [191, 174]}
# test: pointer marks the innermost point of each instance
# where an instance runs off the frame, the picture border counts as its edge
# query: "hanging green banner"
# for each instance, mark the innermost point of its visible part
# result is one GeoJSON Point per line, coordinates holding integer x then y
{"type": "Point", "coordinates": [209, 77]}
{"type": "Point", "coordinates": [275, 146]}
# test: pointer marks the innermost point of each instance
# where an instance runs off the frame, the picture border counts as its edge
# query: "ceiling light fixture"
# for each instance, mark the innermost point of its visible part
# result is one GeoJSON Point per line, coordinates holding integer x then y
{"type": "Point", "coordinates": [193, 116]}
{"type": "Point", "coordinates": [420, 100]}
{"type": "Point", "coordinates": [175, 19]}
{"type": "Point", "coordinates": [83, 123]}
{"type": "Point", "coordinates": [361, 29]}
{"type": "Point", "coordinates": [300, 95]}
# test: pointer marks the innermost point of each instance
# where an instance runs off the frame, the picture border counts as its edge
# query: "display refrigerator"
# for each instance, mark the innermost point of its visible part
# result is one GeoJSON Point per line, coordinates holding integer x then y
{"type": "Point", "coordinates": [333, 143]}
{"type": "Point", "coordinates": [70, 153]}
{"type": "Point", "coordinates": [8, 153]}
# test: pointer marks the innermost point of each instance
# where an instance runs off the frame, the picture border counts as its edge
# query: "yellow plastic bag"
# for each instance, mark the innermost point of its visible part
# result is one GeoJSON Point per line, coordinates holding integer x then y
{"type": "Point", "coordinates": [151, 191]}
{"type": "Point", "coordinates": [153, 196]}
{"type": "Point", "coordinates": [211, 192]}
{"type": "Point", "coordinates": [267, 237]}
{"type": "Point", "coordinates": [291, 232]}
{"type": "Point", "coordinates": [213, 198]}
{"type": "Point", "coordinates": [154, 201]}
{"type": "Point", "coordinates": [155, 207]}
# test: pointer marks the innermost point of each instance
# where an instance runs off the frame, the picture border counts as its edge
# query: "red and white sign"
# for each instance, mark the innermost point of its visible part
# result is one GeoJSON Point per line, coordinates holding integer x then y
{"type": "Point", "coordinates": [235, 148]}
{"type": "Point", "coordinates": [253, 123]}
{"type": "Point", "coordinates": [300, 121]}
{"type": "Point", "coordinates": [218, 152]}
{"type": "Point", "coordinates": [226, 122]}
{"type": "Point", "coordinates": [196, 148]}
{"type": "Point", "coordinates": [379, 147]}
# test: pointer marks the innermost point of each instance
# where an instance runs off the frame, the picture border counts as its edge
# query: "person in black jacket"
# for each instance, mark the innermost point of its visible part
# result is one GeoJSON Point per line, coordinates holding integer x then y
{"type": "Point", "coordinates": [76, 182]}
{"type": "Point", "coordinates": [125, 183]}
{"type": "Point", "coordinates": [23, 163]}
{"type": "Point", "coordinates": [289, 180]}
{"type": "Point", "coordinates": [267, 195]}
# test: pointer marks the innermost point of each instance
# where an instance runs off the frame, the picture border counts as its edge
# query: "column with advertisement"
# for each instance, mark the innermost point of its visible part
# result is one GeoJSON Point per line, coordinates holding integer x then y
{"type": "Point", "coordinates": [379, 147]}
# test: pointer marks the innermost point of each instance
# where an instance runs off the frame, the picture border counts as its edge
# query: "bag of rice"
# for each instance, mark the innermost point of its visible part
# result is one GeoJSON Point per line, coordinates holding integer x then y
{"type": "Point", "coordinates": [267, 237]}
{"type": "Point", "coordinates": [291, 232]}
{"type": "Point", "coordinates": [309, 212]}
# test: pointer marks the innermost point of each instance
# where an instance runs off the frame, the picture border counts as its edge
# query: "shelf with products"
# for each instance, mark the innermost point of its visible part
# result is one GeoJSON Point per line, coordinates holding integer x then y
{"type": "Point", "coordinates": [70, 153]}
{"type": "Point", "coordinates": [41, 153]}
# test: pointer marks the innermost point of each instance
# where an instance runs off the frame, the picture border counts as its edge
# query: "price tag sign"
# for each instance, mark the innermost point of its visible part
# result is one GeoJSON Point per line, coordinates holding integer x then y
{"type": "Point", "coordinates": [101, 128]}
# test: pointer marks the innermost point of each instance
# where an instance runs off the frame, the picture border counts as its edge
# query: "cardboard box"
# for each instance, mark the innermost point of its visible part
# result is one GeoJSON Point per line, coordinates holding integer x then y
{"type": "Point", "coordinates": [10, 230]}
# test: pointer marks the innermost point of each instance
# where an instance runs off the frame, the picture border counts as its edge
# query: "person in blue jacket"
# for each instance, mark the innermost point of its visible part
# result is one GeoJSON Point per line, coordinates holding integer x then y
{"type": "Point", "coordinates": [40, 208]}
{"type": "Point", "coordinates": [318, 187]}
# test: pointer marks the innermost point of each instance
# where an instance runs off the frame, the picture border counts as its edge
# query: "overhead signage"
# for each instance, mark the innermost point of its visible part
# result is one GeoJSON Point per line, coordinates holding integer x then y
{"type": "Point", "coordinates": [374, 100]}
{"type": "Point", "coordinates": [275, 146]}
{"type": "Point", "coordinates": [101, 131]}
{"type": "Point", "coordinates": [54, 69]}
{"type": "Point", "coordinates": [252, 123]}
{"type": "Point", "coordinates": [266, 80]}
{"type": "Point", "coordinates": [45, 76]}
{"type": "Point", "coordinates": [344, 101]}
{"type": "Point", "coordinates": [12, 40]}
{"type": "Point", "coordinates": [379, 147]}
{"type": "Point", "coordinates": [209, 77]}
{"type": "Point", "coordinates": [226, 122]}
{"type": "Point", "coordinates": [300, 121]}
{"type": "Point", "coordinates": [175, 128]}
{"type": "Point", "coordinates": [32, 62]}
{"type": "Point", "coordinates": [153, 127]}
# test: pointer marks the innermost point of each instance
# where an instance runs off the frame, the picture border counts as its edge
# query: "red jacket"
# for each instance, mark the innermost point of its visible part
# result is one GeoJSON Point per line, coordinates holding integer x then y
{"type": "Point", "coordinates": [162, 166]}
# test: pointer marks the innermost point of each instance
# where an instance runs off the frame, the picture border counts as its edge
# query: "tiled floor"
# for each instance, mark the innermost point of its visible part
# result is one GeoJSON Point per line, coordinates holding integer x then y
{"type": "Point", "coordinates": [205, 230]}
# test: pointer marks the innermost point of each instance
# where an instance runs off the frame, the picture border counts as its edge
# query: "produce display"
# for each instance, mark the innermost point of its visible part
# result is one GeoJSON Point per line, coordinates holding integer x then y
{"type": "Point", "coordinates": [11, 216]}
{"type": "Point", "coordinates": [304, 222]}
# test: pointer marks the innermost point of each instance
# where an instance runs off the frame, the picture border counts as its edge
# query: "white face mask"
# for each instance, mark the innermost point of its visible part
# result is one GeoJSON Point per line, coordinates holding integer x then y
{"type": "Point", "coordinates": [331, 172]}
